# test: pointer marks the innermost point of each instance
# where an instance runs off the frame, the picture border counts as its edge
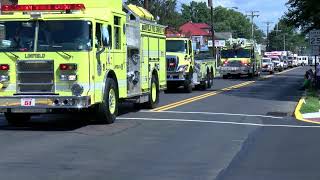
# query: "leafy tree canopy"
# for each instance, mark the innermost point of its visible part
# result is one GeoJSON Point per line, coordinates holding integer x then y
{"type": "Point", "coordinates": [304, 14]}
{"type": "Point", "coordinates": [286, 35]}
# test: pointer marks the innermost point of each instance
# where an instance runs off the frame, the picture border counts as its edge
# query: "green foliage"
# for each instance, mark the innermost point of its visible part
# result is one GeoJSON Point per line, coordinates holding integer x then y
{"type": "Point", "coordinates": [294, 38]}
{"type": "Point", "coordinates": [225, 20]}
{"type": "Point", "coordinates": [164, 9]}
{"type": "Point", "coordinates": [304, 14]}
{"type": "Point", "coordinates": [312, 102]}
{"type": "Point", "coordinates": [197, 12]}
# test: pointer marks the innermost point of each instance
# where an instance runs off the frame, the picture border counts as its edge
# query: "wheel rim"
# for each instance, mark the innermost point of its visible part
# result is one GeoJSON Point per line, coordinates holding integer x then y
{"type": "Point", "coordinates": [154, 92]}
{"type": "Point", "coordinates": [112, 101]}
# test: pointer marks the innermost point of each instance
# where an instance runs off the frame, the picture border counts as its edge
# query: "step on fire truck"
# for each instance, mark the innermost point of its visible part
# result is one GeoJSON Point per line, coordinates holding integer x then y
{"type": "Point", "coordinates": [186, 69]}
{"type": "Point", "coordinates": [59, 56]}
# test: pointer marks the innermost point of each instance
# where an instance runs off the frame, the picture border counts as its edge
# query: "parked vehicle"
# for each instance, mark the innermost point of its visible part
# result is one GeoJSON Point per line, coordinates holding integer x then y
{"type": "Point", "coordinates": [303, 60]}
{"type": "Point", "coordinates": [278, 65]}
{"type": "Point", "coordinates": [267, 65]}
{"type": "Point", "coordinates": [285, 64]}
{"type": "Point", "coordinates": [293, 61]}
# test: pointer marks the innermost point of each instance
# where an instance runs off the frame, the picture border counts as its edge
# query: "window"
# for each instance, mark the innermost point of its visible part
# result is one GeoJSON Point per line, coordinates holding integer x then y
{"type": "Point", "coordinates": [98, 42]}
{"type": "Point", "coordinates": [55, 35]}
{"type": "Point", "coordinates": [117, 32]}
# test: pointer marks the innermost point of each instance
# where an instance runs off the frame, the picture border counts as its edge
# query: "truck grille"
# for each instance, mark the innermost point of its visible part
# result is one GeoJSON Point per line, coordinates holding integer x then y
{"type": "Point", "coordinates": [172, 63]}
{"type": "Point", "coordinates": [35, 77]}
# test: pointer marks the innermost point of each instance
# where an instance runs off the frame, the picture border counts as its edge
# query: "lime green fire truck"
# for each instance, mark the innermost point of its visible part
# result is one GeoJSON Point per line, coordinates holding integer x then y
{"type": "Point", "coordinates": [72, 55]}
{"type": "Point", "coordinates": [240, 57]}
{"type": "Point", "coordinates": [183, 69]}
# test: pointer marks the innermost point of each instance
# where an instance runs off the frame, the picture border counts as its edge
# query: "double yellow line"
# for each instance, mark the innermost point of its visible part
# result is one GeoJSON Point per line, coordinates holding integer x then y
{"type": "Point", "coordinates": [197, 98]}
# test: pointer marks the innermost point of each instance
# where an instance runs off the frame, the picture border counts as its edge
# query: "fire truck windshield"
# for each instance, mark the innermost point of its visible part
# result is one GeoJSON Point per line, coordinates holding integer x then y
{"type": "Point", "coordinates": [236, 53]}
{"type": "Point", "coordinates": [52, 36]}
{"type": "Point", "coordinates": [176, 46]}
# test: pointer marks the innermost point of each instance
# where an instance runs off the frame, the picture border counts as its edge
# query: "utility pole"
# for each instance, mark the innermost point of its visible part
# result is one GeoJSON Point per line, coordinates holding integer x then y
{"type": "Point", "coordinates": [210, 4]}
{"type": "Point", "coordinates": [146, 4]}
{"type": "Point", "coordinates": [268, 23]}
{"type": "Point", "coordinates": [252, 15]}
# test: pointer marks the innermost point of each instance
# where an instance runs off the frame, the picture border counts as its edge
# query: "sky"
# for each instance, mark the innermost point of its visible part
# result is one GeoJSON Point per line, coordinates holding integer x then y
{"type": "Point", "coordinates": [269, 10]}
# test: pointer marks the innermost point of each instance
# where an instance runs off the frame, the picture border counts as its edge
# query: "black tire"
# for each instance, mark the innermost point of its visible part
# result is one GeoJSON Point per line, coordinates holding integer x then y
{"type": "Point", "coordinates": [107, 111]}
{"type": "Point", "coordinates": [210, 80]}
{"type": "Point", "coordinates": [188, 83]}
{"type": "Point", "coordinates": [17, 119]}
{"type": "Point", "coordinates": [250, 75]}
{"type": "Point", "coordinates": [153, 98]}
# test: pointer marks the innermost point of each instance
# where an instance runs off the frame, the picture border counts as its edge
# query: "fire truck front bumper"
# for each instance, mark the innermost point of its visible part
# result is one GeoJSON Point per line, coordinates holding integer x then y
{"type": "Point", "coordinates": [42, 104]}
{"type": "Point", "coordinates": [176, 76]}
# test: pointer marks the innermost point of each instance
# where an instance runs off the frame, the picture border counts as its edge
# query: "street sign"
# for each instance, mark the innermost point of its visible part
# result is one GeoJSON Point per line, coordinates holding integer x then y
{"type": "Point", "coordinates": [210, 43]}
{"type": "Point", "coordinates": [219, 43]}
{"type": "Point", "coordinates": [315, 50]}
{"type": "Point", "coordinates": [314, 36]}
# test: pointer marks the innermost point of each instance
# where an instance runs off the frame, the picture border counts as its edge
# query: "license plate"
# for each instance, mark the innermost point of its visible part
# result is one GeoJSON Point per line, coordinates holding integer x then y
{"type": "Point", "coordinates": [29, 102]}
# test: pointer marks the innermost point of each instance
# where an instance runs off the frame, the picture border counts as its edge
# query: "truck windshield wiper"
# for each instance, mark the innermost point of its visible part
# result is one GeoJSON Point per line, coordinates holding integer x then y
{"type": "Point", "coordinates": [14, 55]}
{"type": "Point", "coordinates": [62, 53]}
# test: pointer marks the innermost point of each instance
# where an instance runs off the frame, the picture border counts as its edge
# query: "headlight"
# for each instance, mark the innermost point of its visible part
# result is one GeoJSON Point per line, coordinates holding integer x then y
{"type": "Point", "coordinates": [183, 68]}
{"type": "Point", "coordinates": [77, 89]}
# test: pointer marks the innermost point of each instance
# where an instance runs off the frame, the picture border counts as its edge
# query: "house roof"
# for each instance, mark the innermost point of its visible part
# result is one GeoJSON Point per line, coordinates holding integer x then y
{"type": "Point", "coordinates": [195, 29]}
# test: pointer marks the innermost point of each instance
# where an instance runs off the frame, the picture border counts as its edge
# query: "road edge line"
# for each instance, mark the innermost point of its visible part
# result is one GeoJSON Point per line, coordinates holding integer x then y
{"type": "Point", "coordinates": [298, 114]}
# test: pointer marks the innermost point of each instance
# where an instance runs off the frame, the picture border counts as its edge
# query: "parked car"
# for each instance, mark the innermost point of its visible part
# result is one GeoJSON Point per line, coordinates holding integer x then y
{"type": "Point", "coordinates": [294, 61]}
{"type": "Point", "coordinates": [267, 65]}
{"type": "Point", "coordinates": [278, 65]}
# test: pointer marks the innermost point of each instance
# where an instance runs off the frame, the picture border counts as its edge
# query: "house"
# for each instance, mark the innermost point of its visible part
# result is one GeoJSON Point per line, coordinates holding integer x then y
{"type": "Point", "coordinates": [200, 33]}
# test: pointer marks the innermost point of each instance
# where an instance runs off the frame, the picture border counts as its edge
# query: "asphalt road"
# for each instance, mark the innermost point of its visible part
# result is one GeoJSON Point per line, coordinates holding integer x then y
{"type": "Point", "coordinates": [243, 132]}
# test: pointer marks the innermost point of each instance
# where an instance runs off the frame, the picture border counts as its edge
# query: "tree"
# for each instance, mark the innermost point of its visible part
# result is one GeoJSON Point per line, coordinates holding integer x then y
{"type": "Point", "coordinates": [304, 14]}
{"type": "Point", "coordinates": [225, 20]}
{"type": "Point", "coordinates": [197, 12]}
{"type": "Point", "coordinates": [286, 32]}
{"type": "Point", "coordinates": [166, 10]}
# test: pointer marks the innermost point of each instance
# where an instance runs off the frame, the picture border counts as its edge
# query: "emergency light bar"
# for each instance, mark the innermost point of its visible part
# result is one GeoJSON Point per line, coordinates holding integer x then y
{"type": "Point", "coordinates": [43, 7]}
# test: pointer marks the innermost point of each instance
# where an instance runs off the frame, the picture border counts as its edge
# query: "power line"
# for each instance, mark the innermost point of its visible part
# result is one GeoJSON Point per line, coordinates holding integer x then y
{"type": "Point", "coordinates": [252, 15]}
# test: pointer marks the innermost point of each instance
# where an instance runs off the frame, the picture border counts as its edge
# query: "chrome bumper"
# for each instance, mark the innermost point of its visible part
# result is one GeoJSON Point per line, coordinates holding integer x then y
{"type": "Point", "coordinates": [43, 104]}
{"type": "Point", "coordinates": [266, 69]}
{"type": "Point", "coordinates": [234, 72]}
{"type": "Point", "coordinates": [176, 76]}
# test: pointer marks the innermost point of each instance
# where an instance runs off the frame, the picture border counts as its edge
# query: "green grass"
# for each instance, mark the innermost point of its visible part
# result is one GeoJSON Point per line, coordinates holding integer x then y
{"type": "Point", "coordinates": [312, 102]}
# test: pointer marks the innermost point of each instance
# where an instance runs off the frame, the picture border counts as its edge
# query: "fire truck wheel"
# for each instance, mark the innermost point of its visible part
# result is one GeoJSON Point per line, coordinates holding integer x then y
{"type": "Point", "coordinates": [154, 94]}
{"type": "Point", "coordinates": [209, 80]}
{"type": "Point", "coordinates": [17, 119]}
{"type": "Point", "coordinates": [188, 83]}
{"type": "Point", "coordinates": [108, 109]}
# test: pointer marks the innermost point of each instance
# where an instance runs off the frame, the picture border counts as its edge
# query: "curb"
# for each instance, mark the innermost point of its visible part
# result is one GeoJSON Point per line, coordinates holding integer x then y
{"type": "Point", "coordinates": [298, 114]}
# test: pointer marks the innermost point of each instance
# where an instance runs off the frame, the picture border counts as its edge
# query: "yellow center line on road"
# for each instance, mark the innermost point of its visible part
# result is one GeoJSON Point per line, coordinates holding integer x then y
{"type": "Point", "coordinates": [200, 97]}
{"type": "Point", "coordinates": [206, 95]}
